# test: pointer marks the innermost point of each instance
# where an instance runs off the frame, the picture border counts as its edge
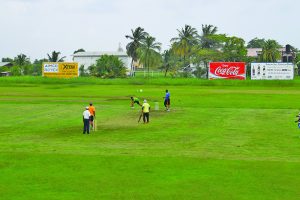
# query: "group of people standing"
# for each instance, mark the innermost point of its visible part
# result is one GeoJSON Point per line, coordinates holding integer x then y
{"type": "Point", "coordinates": [89, 116]}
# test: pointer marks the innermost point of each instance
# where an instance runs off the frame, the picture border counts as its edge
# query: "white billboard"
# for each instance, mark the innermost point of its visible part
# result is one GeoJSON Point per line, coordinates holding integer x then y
{"type": "Point", "coordinates": [51, 67]}
{"type": "Point", "coordinates": [272, 71]}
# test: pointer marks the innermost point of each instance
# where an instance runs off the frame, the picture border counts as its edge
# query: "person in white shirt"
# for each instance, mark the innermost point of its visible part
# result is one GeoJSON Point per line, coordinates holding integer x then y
{"type": "Point", "coordinates": [86, 121]}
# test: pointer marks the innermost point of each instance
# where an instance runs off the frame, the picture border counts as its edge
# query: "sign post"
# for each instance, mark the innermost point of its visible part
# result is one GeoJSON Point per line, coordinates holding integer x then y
{"type": "Point", "coordinates": [227, 70]}
{"type": "Point", "coordinates": [272, 71]}
{"type": "Point", "coordinates": [60, 69]}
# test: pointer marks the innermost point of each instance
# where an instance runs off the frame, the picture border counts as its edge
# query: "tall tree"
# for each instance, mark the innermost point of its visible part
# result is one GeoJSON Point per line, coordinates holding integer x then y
{"type": "Point", "coordinates": [210, 48]}
{"type": "Point", "coordinates": [207, 41]}
{"type": "Point", "coordinates": [270, 52]}
{"type": "Point", "coordinates": [148, 53]}
{"type": "Point", "coordinates": [297, 61]}
{"type": "Point", "coordinates": [37, 66]}
{"type": "Point", "coordinates": [137, 37]}
{"type": "Point", "coordinates": [166, 59]}
{"type": "Point", "coordinates": [21, 60]}
{"type": "Point", "coordinates": [234, 49]}
{"type": "Point", "coordinates": [23, 63]}
{"type": "Point", "coordinates": [182, 45]}
{"type": "Point", "coordinates": [54, 57]}
{"type": "Point", "coordinates": [170, 61]}
{"type": "Point", "coordinates": [256, 43]}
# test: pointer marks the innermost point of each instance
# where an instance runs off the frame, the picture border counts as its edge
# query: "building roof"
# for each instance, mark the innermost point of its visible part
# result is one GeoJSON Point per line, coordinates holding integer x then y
{"type": "Point", "coordinates": [3, 64]}
{"type": "Point", "coordinates": [99, 53]}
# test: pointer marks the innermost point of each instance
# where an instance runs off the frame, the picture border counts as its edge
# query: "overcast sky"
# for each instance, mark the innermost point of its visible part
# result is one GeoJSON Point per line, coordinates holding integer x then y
{"type": "Point", "coordinates": [37, 27]}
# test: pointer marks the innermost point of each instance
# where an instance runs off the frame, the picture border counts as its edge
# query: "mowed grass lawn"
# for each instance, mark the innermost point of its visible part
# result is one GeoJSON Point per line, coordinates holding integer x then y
{"type": "Point", "coordinates": [218, 142]}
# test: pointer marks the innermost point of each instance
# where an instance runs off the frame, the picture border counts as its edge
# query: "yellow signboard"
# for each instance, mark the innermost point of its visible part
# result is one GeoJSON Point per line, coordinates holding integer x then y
{"type": "Point", "coordinates": [60, 69]}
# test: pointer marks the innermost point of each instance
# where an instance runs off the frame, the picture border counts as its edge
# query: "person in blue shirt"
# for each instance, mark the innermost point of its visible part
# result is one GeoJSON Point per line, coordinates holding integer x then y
{"type": "Point", "coordinates": [167, 101]}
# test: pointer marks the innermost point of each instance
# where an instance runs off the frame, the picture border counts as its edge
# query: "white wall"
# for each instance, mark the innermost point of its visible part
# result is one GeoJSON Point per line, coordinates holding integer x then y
{"type": "Point", "coordinates": [88, 61]}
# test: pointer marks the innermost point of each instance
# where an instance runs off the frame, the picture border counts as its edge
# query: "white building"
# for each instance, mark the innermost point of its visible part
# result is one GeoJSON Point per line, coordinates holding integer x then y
{"type": "Point", "coordinates": [90, 58]}
{"type": "Point", "coordinates": [287, 55]}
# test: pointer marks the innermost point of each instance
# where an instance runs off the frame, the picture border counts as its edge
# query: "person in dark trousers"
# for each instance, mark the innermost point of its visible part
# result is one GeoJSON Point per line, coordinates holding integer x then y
{"type": "Point", "coordinates": [167, 101]}
{"type": "Point", "coordinates": [146, 111]}
{"type": "Point", "coordinates": [86, 121]}
{"type": "Point", "coordinates": [298, 121]}
{"type": "Point", "coordinates": [92, 110]}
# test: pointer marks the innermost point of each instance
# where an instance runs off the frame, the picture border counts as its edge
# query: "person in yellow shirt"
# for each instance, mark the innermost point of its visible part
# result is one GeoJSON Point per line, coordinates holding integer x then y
{"type": "Point", "coordinates": [146, 111]}
{"type": "Point", "coordinates": [93, 115]}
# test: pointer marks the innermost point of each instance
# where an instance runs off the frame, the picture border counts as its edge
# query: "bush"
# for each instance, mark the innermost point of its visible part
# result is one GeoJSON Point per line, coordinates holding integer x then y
{"type": "Point", "coordinates": [82, 71]}
{"type": "Point", "coordinates": [16, 71]}
{"type": "Point", "coordinates": [200, 72]}
{"type": "Point", "coordinates": [108, 67]}
{"type": "Point", "coordinates": [4, 69]}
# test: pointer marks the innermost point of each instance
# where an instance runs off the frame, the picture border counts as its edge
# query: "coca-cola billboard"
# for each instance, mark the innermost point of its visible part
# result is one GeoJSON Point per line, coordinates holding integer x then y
{"type": "Point", "coordinates": [227, 70]}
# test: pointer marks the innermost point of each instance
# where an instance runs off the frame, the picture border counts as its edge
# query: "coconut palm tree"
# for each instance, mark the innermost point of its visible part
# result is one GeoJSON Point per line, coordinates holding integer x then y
{"type": "Point", "coordinates": [23, 64]}
{"type": "Point", "coordinates": [137, 38]}
{"type": "Point", "coordinates": [148, 53]}
{"type": "Point", "coordinates": [21, 60]}
{"type": "Point", "coordinates": [270, 52]}
{"type": "Point", "coordinates": [79, 50]}
{"type": "Point", "coordinates": [55, 57]}
{"type": "Point", "coordinates": [207, 42]}
{"type": "Point", "coordinates": [183, 44]}
{"type": "Point", "coordinates": [166, 61]}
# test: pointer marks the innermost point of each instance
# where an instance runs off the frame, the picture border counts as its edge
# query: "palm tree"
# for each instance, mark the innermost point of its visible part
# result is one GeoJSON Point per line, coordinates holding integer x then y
{"type": "Point", "coordinates": [55, 57]}
{"type": "Point", "coordinates": [166, 61]}
{"type": "Point", "coordinates": [21, 60]}
{"type": "Point", "coordinates": [79, 50]}
{"type": "Point", "coordinates": [270, 52]}
{"type": "Point", "coordinates": [183, 44]}
{"type": "Point", "coordinates": [137, 38]}
{"type": "Point", "coordinates": [148, 53]}
{"type": "Point", "coordinates": [206, 41]}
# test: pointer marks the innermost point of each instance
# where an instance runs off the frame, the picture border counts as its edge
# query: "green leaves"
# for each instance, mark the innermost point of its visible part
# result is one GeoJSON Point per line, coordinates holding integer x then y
{"type": "Point", "coordinates": [54, 57]}
{"type": "Point", "coordinates": [21, 60]}
{"type": "Point", "coordinates": [148, 53]}
{"type": "Point", "coordinates": [108, 66]}
{"type": "Point", "coordinates": [270, 52]}
{"type": "Point", "coordinates": [182, 45]}
{"type": "Point", "coordinates": [137, 38]}
{"type": "Point", "coordinates": [234, 49]}
{"type": "Point", "coordinates": [256, 43]}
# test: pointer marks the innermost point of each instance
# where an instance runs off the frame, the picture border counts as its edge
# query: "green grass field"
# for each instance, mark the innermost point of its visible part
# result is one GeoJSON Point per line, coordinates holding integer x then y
{"type": "Point", "coordinates": [221, 140]}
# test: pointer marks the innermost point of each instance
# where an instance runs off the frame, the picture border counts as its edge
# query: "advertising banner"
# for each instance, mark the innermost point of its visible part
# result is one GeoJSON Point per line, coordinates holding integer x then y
{"type": "Point", "coordinates": [60, 69]}
{"type": "Point", "coordinates": [227, 70]}
{"type": "Point", "coordinates": [272, 71]}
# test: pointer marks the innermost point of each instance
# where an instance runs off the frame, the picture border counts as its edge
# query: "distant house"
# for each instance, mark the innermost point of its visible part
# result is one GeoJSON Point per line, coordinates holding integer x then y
{"type": "Point", "coordinates": [5, 64]}
{"type": "Point", "coordinates": [88, 59]}
{"type": "Point", "coordinates": [286, 53]}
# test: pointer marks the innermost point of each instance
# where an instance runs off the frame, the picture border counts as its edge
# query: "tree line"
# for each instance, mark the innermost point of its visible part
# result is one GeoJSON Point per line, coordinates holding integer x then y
{"type": "Point", "coordinates": [189, 54]}
{"type": "Point", "coordinates": [191, 51]}
{"type": "Point", "coordinates": [23, 66]}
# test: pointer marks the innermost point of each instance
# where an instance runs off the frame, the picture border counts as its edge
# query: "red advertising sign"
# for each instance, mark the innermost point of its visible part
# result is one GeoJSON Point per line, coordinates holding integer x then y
{"type": "Point", "coordinates": [227, 70]}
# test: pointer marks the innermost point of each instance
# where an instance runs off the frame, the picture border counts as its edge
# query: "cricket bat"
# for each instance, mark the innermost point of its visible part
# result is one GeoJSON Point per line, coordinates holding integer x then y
{"type": "Point", "coordinates": [140, 118]}
{"type": "Point", "coordinates": [95, 125]}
